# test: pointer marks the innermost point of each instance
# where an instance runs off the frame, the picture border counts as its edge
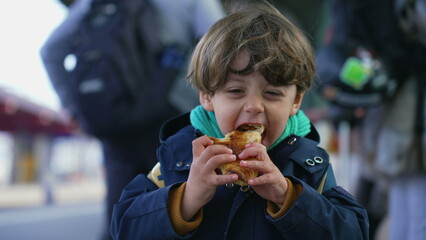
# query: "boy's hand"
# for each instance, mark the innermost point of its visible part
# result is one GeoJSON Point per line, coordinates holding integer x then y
{"type": "Point", "coordinates": [203, 179]}
{"type": "Point", "coordinates": [271, 184]}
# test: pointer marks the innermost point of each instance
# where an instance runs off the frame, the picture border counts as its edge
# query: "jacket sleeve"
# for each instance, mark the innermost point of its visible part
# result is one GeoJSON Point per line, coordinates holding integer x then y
{"type": "Point", "coordinates": [334, 214]}
{"type": "Point", "coordinates": [141, 212]}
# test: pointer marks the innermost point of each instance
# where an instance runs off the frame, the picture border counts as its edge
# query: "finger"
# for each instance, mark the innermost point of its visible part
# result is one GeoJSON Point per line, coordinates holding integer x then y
{"type": "Point", "coordinates": [253, 164]}
{"type": "Point", "coordinates": [218, 160]}
{"type": "Point", "coordinates": [218, 149]}
{"type": "Point", "coordinates": [261, 180]}
{"type": "Point", "coordinates": [224, 179]}
{"type": "Point", "coordinates": [263, 167]}
{"type": "Point", "coordinates": [254, 150]}
{"type": "Point", "coordinates": [199, 144]}
{"type": "Point", "coordinates": [249, 154]}
{"type": "Point", "coordinates": [215, 150]}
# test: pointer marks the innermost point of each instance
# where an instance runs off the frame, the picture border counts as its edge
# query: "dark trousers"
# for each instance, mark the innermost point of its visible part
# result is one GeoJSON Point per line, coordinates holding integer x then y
{"type": "Point", "coordinates": [124, 159]}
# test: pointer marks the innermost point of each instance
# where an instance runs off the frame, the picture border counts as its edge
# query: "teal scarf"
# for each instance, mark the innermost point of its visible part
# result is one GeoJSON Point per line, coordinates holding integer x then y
{"type": "Point", "coordinates": [205, 121]}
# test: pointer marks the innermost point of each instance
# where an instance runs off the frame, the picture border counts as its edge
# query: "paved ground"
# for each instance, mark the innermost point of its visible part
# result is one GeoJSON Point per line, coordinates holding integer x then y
{"type": "Point", "coordinates": [31, 195]}
{"type": "Point", "coordinates": [83, 221]}
{"type": "Point", "coordinates": [67, 211]}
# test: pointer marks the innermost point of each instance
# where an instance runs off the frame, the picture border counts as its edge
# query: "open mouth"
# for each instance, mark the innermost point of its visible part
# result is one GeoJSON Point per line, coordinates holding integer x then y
{"type": "Point", "coordinates": [252, 127]}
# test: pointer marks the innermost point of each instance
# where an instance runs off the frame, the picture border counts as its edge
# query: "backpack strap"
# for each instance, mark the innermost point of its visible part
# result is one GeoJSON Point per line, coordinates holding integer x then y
{"type": "Point", "coordinates": [156, 177]}
{"type": "Point", "coordinates": [328, 180]}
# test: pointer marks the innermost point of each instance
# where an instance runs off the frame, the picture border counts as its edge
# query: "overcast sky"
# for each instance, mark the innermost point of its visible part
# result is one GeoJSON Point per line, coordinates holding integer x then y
{"type": "Point", "coordinates": [25, 26]}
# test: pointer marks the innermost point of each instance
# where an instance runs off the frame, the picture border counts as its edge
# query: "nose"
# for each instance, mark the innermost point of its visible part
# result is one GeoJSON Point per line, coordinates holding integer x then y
{"type": "Point", "coordinates": [254, 105]}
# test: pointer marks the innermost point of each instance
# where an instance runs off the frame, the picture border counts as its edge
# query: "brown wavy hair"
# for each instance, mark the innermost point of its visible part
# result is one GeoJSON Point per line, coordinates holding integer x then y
{"type": "Point", "coordinates": [277, 49]}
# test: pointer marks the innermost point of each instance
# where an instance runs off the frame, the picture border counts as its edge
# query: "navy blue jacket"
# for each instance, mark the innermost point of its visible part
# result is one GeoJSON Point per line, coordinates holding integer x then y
{"type": "Point", "coordinates": [233, 214]}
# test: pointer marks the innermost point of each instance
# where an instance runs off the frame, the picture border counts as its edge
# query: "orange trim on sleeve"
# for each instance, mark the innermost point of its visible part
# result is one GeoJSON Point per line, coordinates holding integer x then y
{"type": "Point", "coordinates": [293, 192]}
{"type": "Point", "coordinates": [181, 226]}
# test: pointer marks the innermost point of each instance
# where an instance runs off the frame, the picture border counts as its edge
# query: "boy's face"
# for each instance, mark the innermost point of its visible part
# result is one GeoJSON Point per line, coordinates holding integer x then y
{"type": "Point", "coordinates": [251, 99]}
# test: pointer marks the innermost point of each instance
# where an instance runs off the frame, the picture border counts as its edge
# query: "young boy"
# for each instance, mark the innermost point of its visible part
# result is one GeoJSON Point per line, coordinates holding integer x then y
{"type": "Point", "coordinates": [252, 66]}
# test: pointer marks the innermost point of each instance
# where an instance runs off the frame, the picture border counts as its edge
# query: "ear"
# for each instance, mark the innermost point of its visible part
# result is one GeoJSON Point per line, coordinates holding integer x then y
{"type": "Point", "coordinates": [297, 103]}
{"type": "Point", "coordinates": [206, 101]}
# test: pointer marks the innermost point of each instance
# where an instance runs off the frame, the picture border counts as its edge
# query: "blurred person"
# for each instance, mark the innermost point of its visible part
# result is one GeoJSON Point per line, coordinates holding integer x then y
{"type": "Point", "coordinates": [181, 23]}
{"type": "Point", "coordinates": [373, 71]}
{"type": "Point", "coordinates": [253, 66]}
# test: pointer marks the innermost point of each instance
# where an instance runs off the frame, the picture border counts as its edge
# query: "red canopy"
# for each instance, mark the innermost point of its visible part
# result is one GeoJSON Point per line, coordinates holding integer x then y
{"type": "Point", "coordinates": [20, 114]}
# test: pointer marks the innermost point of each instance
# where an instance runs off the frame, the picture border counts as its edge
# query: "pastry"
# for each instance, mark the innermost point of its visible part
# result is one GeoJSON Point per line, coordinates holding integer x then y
{"type": "Point", "coordinates": [237, 140]}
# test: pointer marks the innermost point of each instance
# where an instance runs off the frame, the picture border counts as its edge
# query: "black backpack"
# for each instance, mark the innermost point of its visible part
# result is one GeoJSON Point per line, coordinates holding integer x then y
{"type": "Point", "coordinates": [123, 72]}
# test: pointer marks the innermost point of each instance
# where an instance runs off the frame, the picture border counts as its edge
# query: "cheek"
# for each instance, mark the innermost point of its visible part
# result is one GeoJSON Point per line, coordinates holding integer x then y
{"type": "Point", "coordinates": [278, 130]}
{"type": "Point", "coordinates": [225, 120]}
{"type": "Point", "coordinates": [225, 116]}
{"type": "Point", "coordinates": [278, 122]}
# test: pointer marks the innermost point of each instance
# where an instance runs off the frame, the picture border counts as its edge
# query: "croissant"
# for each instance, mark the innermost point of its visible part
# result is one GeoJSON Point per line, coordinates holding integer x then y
{"type": "Point", "coordinates": [236, 140]}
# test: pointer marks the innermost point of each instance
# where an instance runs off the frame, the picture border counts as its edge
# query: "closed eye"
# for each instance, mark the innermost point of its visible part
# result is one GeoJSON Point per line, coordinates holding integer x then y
{"type": "Point", "coordinates": [235, 90]}
{"type": "Point", "coordinates": [274, 93]}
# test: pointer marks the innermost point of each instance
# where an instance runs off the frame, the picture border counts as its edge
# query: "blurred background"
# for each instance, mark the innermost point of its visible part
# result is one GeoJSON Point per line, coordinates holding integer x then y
{"type": "Point", "coordinates": [51, 176]}
{"type": "Point", "coordinates": [51, 173]}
